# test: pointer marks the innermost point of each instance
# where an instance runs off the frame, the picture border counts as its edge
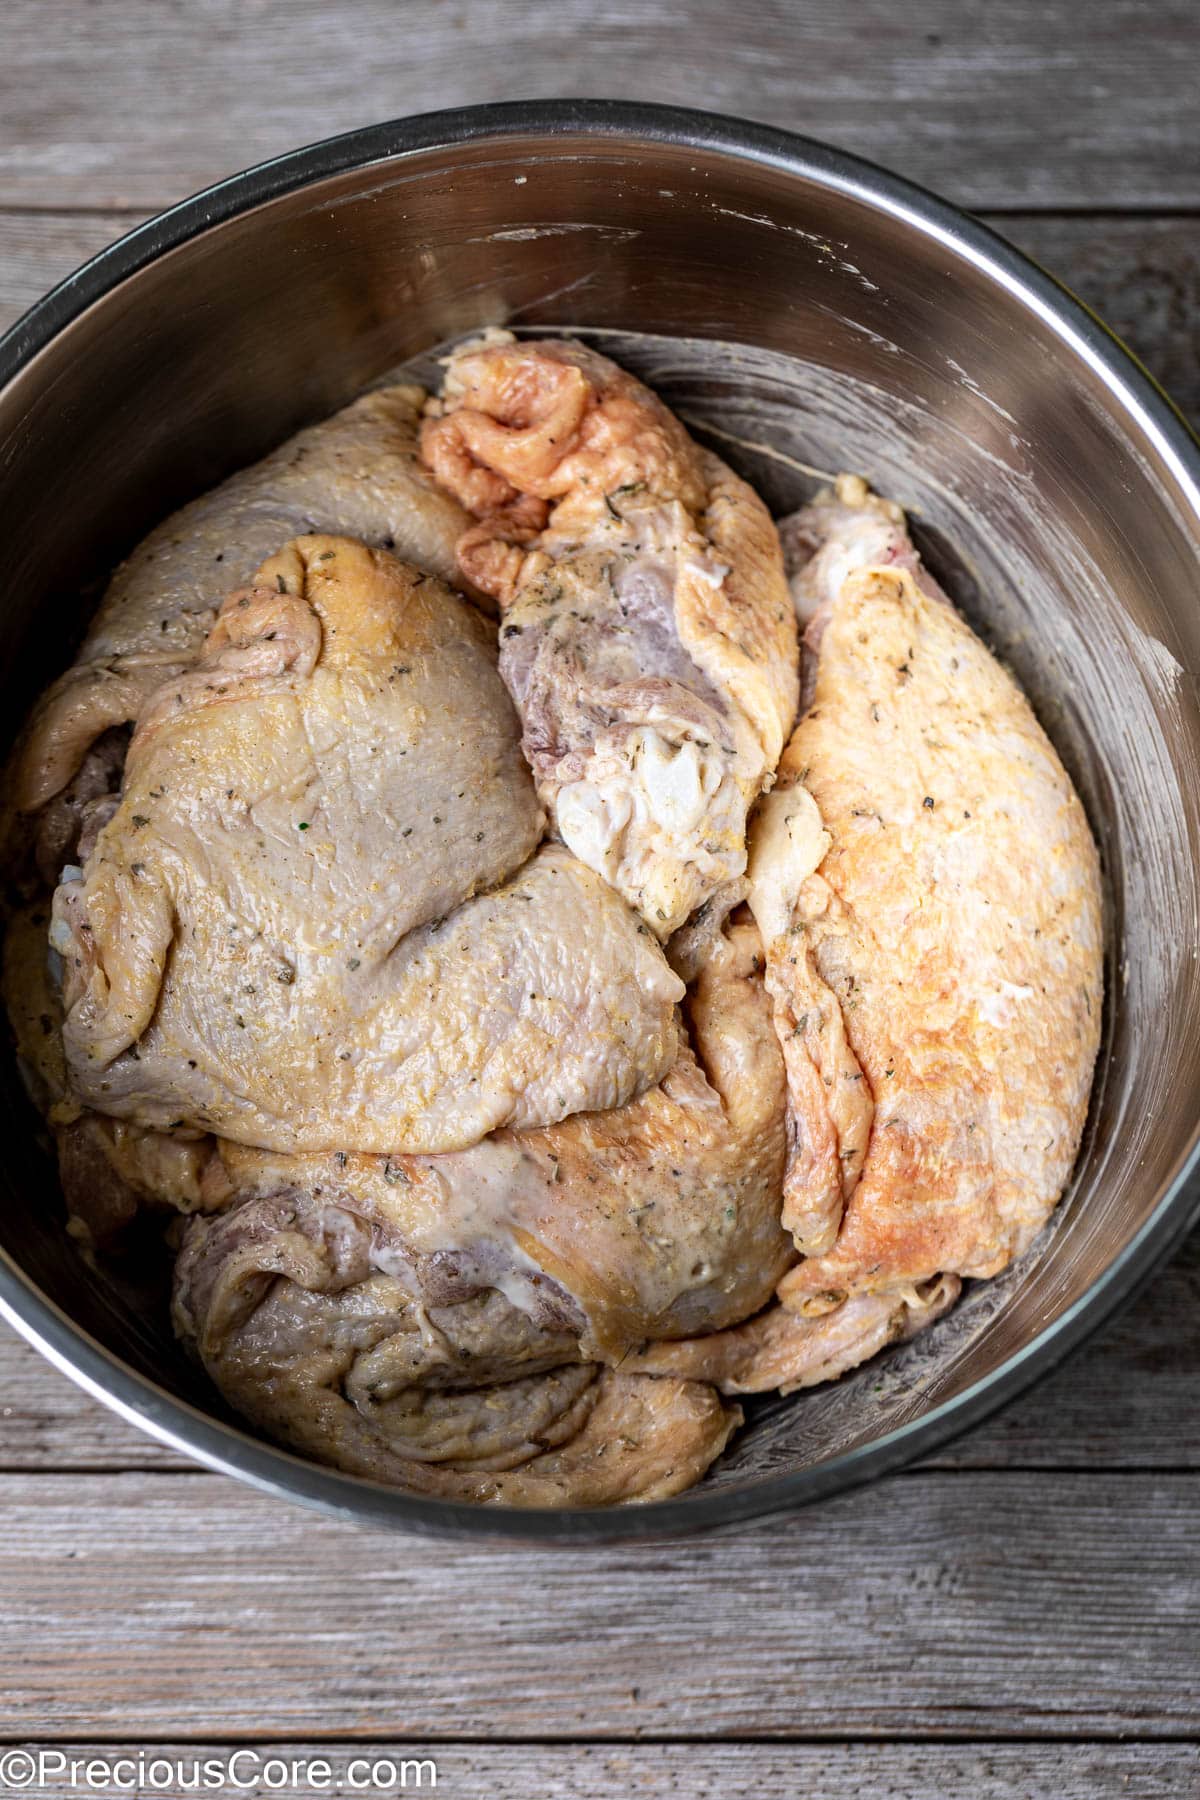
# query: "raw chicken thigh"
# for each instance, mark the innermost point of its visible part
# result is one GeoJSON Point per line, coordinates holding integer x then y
{"type": "Point", "coordinates": [647, 637]}
{"type": "Point", "coordinates": [360, 1303]}
{"type": "Point", "coordinates": [280, 934]}
{"type": "Point", "coordinates": [502, 1158]}
{"type": "Point", "coordinates": [929, 898]}
{"type": "Point", "coordinates": [356, 474]}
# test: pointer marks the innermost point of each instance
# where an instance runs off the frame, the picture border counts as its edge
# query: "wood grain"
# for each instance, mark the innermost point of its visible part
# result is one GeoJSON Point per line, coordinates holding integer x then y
{"type": "Point", "coordinates": [706, 1771]}
{"type": "Point", "coordinates": [999, 102]}
{"type": "Point", "coordinates": [146, 1605]}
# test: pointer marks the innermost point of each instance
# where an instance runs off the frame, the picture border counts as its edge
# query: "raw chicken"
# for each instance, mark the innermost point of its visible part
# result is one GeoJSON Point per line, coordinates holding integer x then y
{"type": "Point", "coordinates": [275, 936]}
{"type": "Point", "coordinates": [845, 528]}
{"type": "Point", "coordinates": [356, 474]}
{"type": "Point", "coordinates": [646, 637]}
{"type": "Point", "coordinates": [356, 1305]}
{"type": "Point", "coordinates": [298, 1321]}
{"type": "Point", "coordinates": [785, 1351]}
{"type": "Point", "coordinates": [483, 1202]}
{"type": "Point", "coordinates": [108, 1169]}
{"type": "Point", "coordinates": [657, 1218]}
{"type": "Point", "coordinates": [929, 896]}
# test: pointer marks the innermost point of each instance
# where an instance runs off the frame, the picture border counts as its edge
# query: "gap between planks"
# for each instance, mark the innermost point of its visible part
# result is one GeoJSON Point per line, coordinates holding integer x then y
{"type": "Point", "coordinates": [955, 1607]}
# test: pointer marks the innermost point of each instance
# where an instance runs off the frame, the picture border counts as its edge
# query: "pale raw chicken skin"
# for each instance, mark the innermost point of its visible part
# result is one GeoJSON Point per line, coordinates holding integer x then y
{"type": "Point", "coordinates": [355, 1305]}
{"type": "Point", "coordinates": [955, 926]}
{"type": "Point", "coordinates": [646, 637]}
{"type": "Point", "coordinates": [108, 1170]}
{"type": "Point", "coordinates": [657, 1218]}
{"type": "Point", "coordinates": [947, 944]}
{"type": "Point", "coordinates": [281, 933]}
{"type": "Point", "coordinates": [356, 474]}
{"type": "Point", "coordinates": [482, 1201]}
{"type": "Point", "coordinates": [459, 1398]}
{"type": "Point", "coordinates": [845, 528]}
{"type": "Point", "coordinates": [783, 1351]}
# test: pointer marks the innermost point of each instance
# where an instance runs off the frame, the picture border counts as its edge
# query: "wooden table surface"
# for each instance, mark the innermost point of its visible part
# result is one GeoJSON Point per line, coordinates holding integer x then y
{"type": "Point", "coordinates": [1019, 1616]}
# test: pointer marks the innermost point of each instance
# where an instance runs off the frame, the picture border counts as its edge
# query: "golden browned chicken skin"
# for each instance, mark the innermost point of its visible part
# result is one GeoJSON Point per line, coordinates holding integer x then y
{"type": "Point", "coordinates": [647, 636]}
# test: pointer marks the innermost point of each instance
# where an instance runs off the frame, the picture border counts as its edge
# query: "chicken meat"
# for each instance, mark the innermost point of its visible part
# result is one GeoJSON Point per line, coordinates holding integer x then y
{"type": "Point", "coordinates": [357, 1305]}
{"type": "Point", "coordinates": [317, 917]}
{"type": "Point", "coordinates": [297, 1317]}
{"type": "Point", "coordinates": [647, 636]}
{"type": "Point", "coordinates": [355, 474]}
{"type": "Point", "coordinates": [929, 898]}
{"type": "Point", "coordinates": [108, 1170]}
{"type": "Point", "coordinates": [502, 1160]}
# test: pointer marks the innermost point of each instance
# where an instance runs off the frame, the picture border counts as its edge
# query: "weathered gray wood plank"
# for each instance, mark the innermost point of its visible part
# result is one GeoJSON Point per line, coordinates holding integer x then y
{"type": "Point", "coordinates": [996, 101]}
{"type": "Point", "coordinates": [1129, 1400]}
{"type": "Point", "coordinates": [686, 1771]}
{"type": "Point", "coordinates": [935, 1605]}
{"type": "Point", "coordinates": [46, 1422]}
{"type": "Point", "coordinates": [1142, 275]}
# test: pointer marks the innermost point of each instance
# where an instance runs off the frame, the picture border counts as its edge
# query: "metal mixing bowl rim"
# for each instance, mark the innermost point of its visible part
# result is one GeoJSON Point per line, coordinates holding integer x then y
{"type": "Point", "coordinates": [235, 1452]}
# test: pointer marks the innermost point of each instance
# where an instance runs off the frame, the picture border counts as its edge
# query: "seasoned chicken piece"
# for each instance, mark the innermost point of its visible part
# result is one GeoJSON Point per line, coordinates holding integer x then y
{"type": "Point", "coordinates": [657, 1218]}
{"type": "Point", "coordinates": [72, 815]}
{"type": "Point", "coordinates": [845, 528]}
{"type": "Point", "coordinates": [929, 897]}
{"type": "Point", "coordinates": [275, 938]}
{"type": "Point", "coordinates": [404, 1284]}
{"type": "Point", "coordinates": [306, 1333]}
{"type": "Point", "coordinates": [356, 474]}
{"type": "Point", "coordinates": [313, 1325]}
{"type": "Point", "coordinates": [107, 1169]}
{"type": "Point", "coordinates": [647, 636]}
{"type": "Point", "coordinates": [783, 1350]}
{"type": "Point", "coordinates": [928, 891]}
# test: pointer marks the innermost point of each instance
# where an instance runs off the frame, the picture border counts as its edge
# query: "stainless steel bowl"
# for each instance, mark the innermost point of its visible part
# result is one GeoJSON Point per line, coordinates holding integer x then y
{"type": "Point", "coordinates": [814, 313]}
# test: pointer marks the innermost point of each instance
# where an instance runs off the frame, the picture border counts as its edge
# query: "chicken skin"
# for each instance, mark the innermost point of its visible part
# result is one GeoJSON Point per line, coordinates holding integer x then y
{"type": "Point", "coordinates": [783, 1351]}
{"type": "Point", "coordinates": [358, 1304]}
{"type": "Point", "coordinates": [298, 1320]}
{"type": "Point", "coordinates": [108, 1170]}
{"type": "Point", "coordinates": [355, 474]}
{"type": "Point", "coordinates": [929, 897]}
{"type": "Point", "coordinates": [647, 637]}
{"type": "Point", "coordinates": [499, 1163]}
{"type": "Point", "coordinates": [290, 931]}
